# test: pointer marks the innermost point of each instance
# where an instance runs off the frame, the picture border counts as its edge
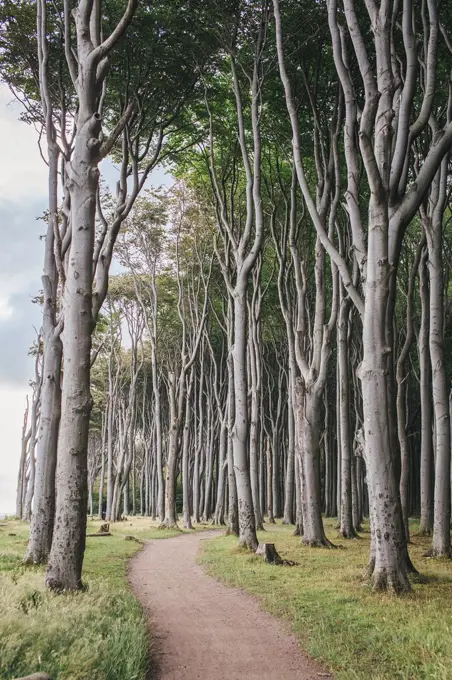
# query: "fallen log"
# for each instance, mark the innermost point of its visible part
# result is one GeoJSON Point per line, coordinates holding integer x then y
{"type": "Point", "coordinates": [99, 534]}
{"type": "Point", "coordinates": [35, 676]}
{"type": "Point", "coordinates": [271, 555]}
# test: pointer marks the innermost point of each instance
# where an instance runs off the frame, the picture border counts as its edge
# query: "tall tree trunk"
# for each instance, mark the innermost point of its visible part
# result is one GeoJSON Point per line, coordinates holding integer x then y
{"type": "Point", "coordinates": [198, 444]}
{"type": "Point", "coordinates": [158, 427]}
{"type": "Point", "coordinates": [170, 519]}
{"type": "Point", "coordinates": [102, 470]}
{"type": "Point", "coordinates": [233, 509]}
{"type": "Point", "coordinates": [206, 514]}
{"type": "Point", "coordinates": [64, 571]}
{"type": "Point", "coordinates": [254, 434]}
{"type": "Point", "coordinates": [347, 529]}
{"type": "Point", "coordinates": [222, 464]}
{"type": "Point", "coordinates": [308, 410]}
{"type": "Point", "coordinates": [298, 490]}
{"type": "Point", "coordinates": [42, 521]}
{"type": "Point", "coordinates": [247, 527]}
{"type": "Point", "coordinates": [402, 390]}
{"type": "Point", "coordinates": [21, 480]}
{"type": "Point", "coordinates": [427, 464]}
{"type": "Point", "coordinates": [269, 458]}
{"type": "Point", "coordinates": [288, 516]}
{"type": "Point", "coordinates": [185, 455]}
{"type": "Point", "coordinates": [441, 520]}
{"type": "Point", "coordinates": [388, 567]}
{"type": "Point", "coordinates": [276, 461]}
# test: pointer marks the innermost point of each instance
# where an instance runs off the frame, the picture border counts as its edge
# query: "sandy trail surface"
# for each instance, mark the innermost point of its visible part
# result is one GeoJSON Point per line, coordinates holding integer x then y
{"type": "Point", "coordinates": [202, 629]}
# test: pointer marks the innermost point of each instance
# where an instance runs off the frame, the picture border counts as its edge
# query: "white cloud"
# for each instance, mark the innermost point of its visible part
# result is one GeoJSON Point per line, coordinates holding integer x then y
{"type": "Point", "coordinates": [23, 173]}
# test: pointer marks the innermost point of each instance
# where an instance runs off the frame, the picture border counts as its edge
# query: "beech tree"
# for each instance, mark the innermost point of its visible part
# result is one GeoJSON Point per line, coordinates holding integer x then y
{"type": "Point", "coordinates": [276, 346]}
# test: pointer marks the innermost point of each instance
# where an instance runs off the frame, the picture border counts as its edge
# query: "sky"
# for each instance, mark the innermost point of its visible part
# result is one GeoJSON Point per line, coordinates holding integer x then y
{"type": "Point", "coordinates": [23, 198]}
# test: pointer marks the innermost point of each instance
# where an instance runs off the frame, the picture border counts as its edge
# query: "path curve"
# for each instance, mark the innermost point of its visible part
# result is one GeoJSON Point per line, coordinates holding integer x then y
{"type": "Point", "coordinates": [203, 630]}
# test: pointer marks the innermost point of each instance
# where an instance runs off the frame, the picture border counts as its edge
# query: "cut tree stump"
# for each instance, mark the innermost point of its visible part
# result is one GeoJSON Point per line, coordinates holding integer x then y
{"type": "Point", "coordinates": [271, 555]}
{"type": "Point", "coordinates": [104, 530]}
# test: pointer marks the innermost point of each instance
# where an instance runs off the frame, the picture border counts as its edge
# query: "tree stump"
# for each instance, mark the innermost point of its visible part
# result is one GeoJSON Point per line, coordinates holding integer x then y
{"type": "Point", "coordinates": [104, 530]}
{"type": "Point", "coordinates": [269, 552]}
{"type": "Point", "coordinates": [271, 555]}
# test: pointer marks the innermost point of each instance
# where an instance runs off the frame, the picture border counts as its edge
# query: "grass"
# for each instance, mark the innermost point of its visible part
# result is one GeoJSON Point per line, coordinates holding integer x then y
{"type": "Point", "coordinates": [355, 633]}
{"type": "Point", "coordinates": [98, 634]}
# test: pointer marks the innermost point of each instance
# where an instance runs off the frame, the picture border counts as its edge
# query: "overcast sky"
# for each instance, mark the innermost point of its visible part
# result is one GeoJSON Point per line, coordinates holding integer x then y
{"type": "Point", "coordinates": [22, 200]}
{"type": "Point", "coordinates": [23, 183]}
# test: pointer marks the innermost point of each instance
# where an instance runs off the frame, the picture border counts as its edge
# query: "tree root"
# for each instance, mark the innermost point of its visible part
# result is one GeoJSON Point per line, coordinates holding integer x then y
{"type": "Point", "coordinates": [349, 537]}
{"type": "Point", "coordinates": [319, 543]}
{"type": "Point", "coordinates": [434, 554]}
{"type": "Point", "coordinates": [418, 578]}
{"type": "Point", "coordinates": [166, 525]}
{"type": "Point", "coordinates": [388, 581]}
{"type": "Point", "coordinates": [427, 533]}
{"type": "Point", "coordinates": [231, 532]}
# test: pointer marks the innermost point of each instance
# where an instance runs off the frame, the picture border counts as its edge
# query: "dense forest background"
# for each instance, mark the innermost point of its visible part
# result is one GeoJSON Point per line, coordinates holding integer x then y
{"type": "Point", "coordinates": [277, 343]}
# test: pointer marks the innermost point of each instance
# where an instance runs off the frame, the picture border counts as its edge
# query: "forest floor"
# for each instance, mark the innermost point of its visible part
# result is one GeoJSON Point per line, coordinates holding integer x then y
{"type": "Point", "coordinates": [100, 633]}
{"type": "Point", "coordinates": [357, 634]}
{"type": "Point", "coordinates": [202, 629]}
{"type": "Point", "coordinates": [97, 634]}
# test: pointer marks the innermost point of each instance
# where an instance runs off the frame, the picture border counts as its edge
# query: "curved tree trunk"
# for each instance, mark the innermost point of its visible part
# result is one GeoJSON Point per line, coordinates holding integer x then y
{"type": "Point", "coordinates": [64, 571]}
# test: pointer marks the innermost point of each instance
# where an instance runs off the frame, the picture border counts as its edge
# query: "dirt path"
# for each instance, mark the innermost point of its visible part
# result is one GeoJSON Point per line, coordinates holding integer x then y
{"type": "Point", "coordinates": [204, 630]}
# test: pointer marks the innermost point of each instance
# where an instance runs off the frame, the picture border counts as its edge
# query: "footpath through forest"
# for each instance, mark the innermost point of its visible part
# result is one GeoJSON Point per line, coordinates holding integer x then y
{"type": "Point", "coordinates": [201, 629]}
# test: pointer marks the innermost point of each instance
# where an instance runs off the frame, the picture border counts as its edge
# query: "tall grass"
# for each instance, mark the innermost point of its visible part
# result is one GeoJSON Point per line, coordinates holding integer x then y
{"type": "Point", "coordinates": [98, 634]}
{"type": "Point", "coordinates": [357, 634]}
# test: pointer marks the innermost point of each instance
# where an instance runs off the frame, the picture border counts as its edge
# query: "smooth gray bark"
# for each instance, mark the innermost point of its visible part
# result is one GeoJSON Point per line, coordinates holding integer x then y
{"type": "Point", "coordinates": [425, 369]}
{"type": "Point", "coordinates": [347, 528]}
{"type": "Point", "coordinates": [64, 569]}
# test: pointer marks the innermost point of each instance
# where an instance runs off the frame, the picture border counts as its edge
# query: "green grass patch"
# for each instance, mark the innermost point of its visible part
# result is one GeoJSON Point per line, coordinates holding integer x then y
{"type": "Point", "coordinates": [98, 634]}
{"type": "Point", "coordinates": [357, 634]}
